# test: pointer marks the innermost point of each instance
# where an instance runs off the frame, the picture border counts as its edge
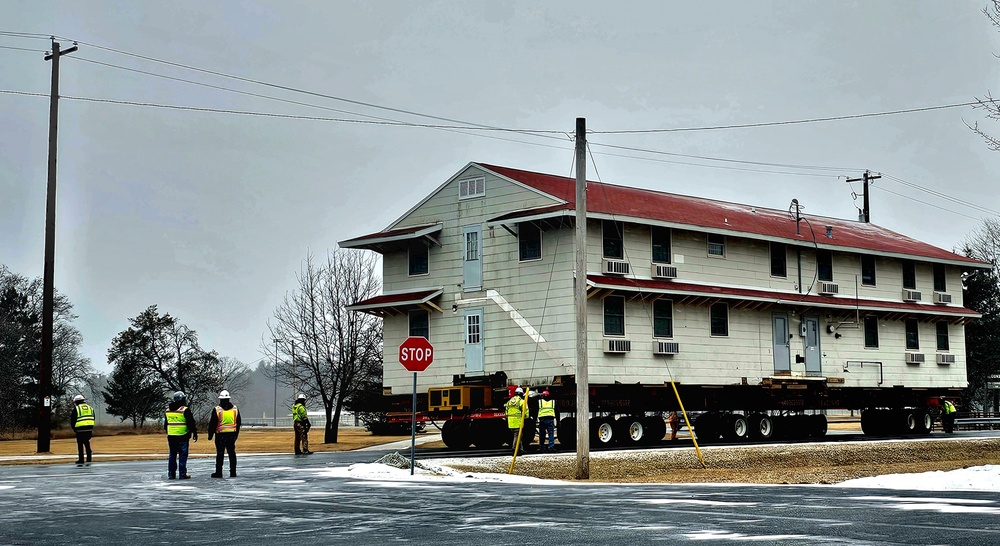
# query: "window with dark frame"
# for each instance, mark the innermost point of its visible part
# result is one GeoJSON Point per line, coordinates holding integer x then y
{"type": "Point", "coordinates": [912, 334]}
{"type": "Point", "coordinates": [824, 265]}
{"type": "Point", "coordinates": [871, 332]}
{"type": "Point", "coordinates": [663, 318]}
{"type": "Point", "coordinates": [867, 270]}
{"type": "Point", "coordinates": [942, 336]}
{"type": "Point", "coordinates": [660, 244]}
{"type": "Point", "coordinates": [719, 317]}
{"type": "Point", "coordinates": [613, 232]}
{"type": "Point", "coordinates": [779, 258]}
{"type": "Point", "coordinates": [909, 275]}
{"type": "Point", "coordinates": [529, 241]}
{"type": "Point", "coordinates": [420, 323]}
{"type": "Point", "coordinates": [716, 245]}
{"type": "Point", "coordinates": [614, 316]}
{"type": "Point", "coordinates": [940, 284]}
{"type": "Point", "coordinates": [419, 262]}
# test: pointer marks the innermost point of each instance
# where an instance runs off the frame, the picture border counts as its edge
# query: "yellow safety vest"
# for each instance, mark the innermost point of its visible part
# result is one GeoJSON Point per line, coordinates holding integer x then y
{"type": "Point", "coordinates": [84, 416]}
{"type": "Point", "coordinates": [546, 408]}
{"type": "Point", "coordinates": [176, 422]}
{"type": "Point", "coordinates": [514, 412]}
{"type": "Point", "coordinates": [299, 412]}
{"type": "Point", "coordinates": [949, 407]}
{"type": "Point", "coordinates": [227, 419]}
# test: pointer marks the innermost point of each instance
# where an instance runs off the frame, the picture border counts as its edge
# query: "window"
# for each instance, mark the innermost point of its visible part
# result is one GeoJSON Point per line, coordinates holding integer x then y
{"type": "Point", "coordinates": [529, 241]}
{"type": "Point", "coordinates": [909, 275]}
{"type": "Point", "coordinates": [473, 329]}
{"type": "Point", "coordinates": [614, 316]}
{"type": "Point", "coordinates": [912, 334]}
{"type": "Point", "coordinates": [779, 255]}
{"type": "Point", "coordinates": [824, 265]}
{"type": "Point", "coordinates": [942, 336]}
{"type": "Point", "coordinates": [419, 263]}
{"type": "Point", "coordinates": [473, 187]}
{"type": "Point", "coordinates": [613, 246]}
{"type": "Point", "coordinates": [939, 281]}
{"type": "Point", "coordinates": [420, 323]}
{"type": "Point", "coordinates": [871, 332]}
{"type": "Point", "coordinates": [719, 317]}
{"type": "Point", "coordinates": [661, 244]}
{"type": "Point", "coordinates": [663, 318]}
{"type": "Point", "coordinates": [716, 245]}
{"type": "Point", "coordinates": [867, 270]}
{"type": "Point", "coordinates": [472, 246]}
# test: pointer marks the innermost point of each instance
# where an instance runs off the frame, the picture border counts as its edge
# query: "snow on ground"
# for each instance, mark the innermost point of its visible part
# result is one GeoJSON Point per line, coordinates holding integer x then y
{"type": "Point", "coordinates": [980, 478]}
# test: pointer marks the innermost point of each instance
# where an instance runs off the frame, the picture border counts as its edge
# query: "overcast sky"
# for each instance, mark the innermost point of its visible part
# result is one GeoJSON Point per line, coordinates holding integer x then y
{"type": "Point", "coordinates": [210, 215]}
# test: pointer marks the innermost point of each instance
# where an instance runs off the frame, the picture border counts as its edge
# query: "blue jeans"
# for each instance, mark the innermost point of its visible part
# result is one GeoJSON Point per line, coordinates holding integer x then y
{"type": "Point", "coordinates": [547, 426]}
{"type": "Point", "coordinates": [178, 455]}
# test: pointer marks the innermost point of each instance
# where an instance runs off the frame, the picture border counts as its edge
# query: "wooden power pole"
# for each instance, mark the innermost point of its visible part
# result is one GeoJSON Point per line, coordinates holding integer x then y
{"type": "Point", "coordinates": [865, 178]}
{"type": "Point", "coordinates": [48, 284]}
{"type": "Point", "coordinates": [580, 301]}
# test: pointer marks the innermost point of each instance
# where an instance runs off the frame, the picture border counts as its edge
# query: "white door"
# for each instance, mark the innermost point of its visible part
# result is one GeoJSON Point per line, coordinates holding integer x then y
{"type": "Point", "coordinates": [474, 341]}
{"type": "Point", "coordinates": [782, 351]}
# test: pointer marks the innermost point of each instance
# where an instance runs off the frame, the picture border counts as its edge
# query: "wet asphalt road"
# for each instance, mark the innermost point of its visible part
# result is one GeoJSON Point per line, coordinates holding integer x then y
{"type": "Point", "coordinates": [286, 500]}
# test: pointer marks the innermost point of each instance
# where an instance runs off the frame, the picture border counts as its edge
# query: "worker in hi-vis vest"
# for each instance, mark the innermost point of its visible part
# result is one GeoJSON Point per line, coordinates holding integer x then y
{"type": "Point", "coordinates": [225, 426]}
{"type": "Point", "coordinates": [82, 421]}
{"type": "Point", "coordinates": [515, 413]}
{"type": "Point", "coordinates": [180, 426]}
{"type": "Point", "coordinates": [300, 421]}
{"type": "Point", "coordinates": [547, 422]}
{"type": "Point", "coordinates": [947, 415]}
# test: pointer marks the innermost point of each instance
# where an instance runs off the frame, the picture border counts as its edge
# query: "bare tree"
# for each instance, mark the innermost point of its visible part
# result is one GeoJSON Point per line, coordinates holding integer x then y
{"type": "Point", "coordinates": [989, 104]}
{"type": "Point", "coordinates": [324, 350]}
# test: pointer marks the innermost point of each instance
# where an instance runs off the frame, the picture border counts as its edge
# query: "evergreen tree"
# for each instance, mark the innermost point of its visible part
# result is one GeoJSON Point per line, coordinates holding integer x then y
{"type": "Point", "coordinates": [133, 393]}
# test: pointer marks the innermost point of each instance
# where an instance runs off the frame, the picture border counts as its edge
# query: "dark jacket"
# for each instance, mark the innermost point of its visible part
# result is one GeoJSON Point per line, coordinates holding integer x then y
{"type": "Point", "coordinates": [188, 418]}
{"type": "Point", "coordinates": [213, 424]}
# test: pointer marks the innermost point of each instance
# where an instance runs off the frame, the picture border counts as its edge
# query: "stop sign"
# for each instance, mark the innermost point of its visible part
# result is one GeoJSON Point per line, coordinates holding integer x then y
{"type": "Point", "coordinates": [416, 353]}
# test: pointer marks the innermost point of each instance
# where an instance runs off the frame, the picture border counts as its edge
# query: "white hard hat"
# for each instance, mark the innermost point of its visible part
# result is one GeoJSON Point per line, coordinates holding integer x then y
{"type": "Point", "coordinates": [78, 398]}
{"type": "Point", "coordinates": [301, 396]}
{"type": "Point", "coordinates": [519, 390]}
{"type": "Point", "coordinates": [224, 395]}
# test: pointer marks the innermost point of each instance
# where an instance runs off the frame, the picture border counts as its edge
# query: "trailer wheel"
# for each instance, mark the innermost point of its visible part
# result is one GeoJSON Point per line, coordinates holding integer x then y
{"type": "Point", "coordinates": [656, 428]}
{"type": "Point", "coordinates": [602, 431]}
{"type": "Point", "coordinates": [819, 425]}
{"type": "Point", "coordinates": [761, 426]}
{"type": "Point", "coordinates": [925, 421]}
{"type": "Point", "coordinates": [489, 433]}
{"type": "Point", "coordinates": [873, 422]}
{"type": "Point", "coordinates": [566, 432]}
{"type": "Point", "coordinates": [631, 430]}
{"type": "Point", "coordinates": [909, 421]}
{"type": "Point", "coordinates": [530, 429]}
{"type": "Point", "coordinates": [456, 434]}
{"type": "Point", "coordinates": [706, 427]}
{"type": "Point", "coordinates": [734, 427]}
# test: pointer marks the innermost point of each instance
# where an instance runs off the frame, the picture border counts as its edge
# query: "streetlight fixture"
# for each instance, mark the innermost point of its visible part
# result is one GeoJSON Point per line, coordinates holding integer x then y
{"type": "Point", "coordinates": [274, 413]}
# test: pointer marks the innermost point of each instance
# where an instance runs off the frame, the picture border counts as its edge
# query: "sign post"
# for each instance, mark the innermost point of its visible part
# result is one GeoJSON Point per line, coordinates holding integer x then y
{"type": "Point", "coordinates": [415, 354]}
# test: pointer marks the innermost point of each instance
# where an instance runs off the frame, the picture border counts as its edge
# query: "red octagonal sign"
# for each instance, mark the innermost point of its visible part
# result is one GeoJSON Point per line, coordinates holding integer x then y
{"type": "Point", "coordinates": [416, 353]}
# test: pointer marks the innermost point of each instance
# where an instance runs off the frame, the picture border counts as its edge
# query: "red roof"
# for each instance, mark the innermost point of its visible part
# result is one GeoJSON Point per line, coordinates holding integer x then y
{"type": "Point", "coordinates": [680, 287]}
{"type": "Point", "coordinates": [733, 217]}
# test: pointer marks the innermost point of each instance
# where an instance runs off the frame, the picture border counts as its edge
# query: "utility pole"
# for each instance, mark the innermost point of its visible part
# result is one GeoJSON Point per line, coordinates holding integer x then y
{"type": "Point", "coordinates": [865, 215]}
{"type": "Point", "coordinates": [580, 301]}
{"type": "Point", "coordinates": [48, 282]}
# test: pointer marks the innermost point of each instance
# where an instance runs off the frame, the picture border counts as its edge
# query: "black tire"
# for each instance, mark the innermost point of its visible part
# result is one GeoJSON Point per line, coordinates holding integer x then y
{"type": "Point", "coordinates": [706, 428]}
{"type": "Point", "coordinates": [761, 426]}
{"type": "Point", "coordinates": [631, 430]}
{"type": "Point", "coordinates": [489, 433]}
{"type": "Point", "coordinates": [456, 434]}
{"type": "Point", "coordinates": [818, 425]}
{"type": "Point", "coordinates": [656, 429]}
{"type": "Point", "coordinates": [602, 432]}
{"type": "Point", "coordinates": [925, 422]}
{"type": "Point", "coordinates": [908, 421]}
{"type": "Point", "coordinates": [735, 427]}
{"type": "Point", "coordinates": [530, 429]}
{"type": "Point", "coordinates": [566, 432]}
{"type": "Point", "coordinates": [873, 422]}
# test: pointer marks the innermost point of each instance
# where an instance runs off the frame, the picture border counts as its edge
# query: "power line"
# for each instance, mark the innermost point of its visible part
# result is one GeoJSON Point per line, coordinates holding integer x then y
{"type": "Point", "coordinates": [942, 195]}
{"type": "Point", "coordinates": [708, 158]}
{"type": "Point", "coordinates": [925, 202]}
{"type": "Point", "coordinates": [789, 122]}
{"type": "Point", "coordinates": [22, 49]}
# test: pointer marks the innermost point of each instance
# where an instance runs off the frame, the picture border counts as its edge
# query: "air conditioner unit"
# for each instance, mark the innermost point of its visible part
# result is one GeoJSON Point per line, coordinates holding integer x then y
{"type": "Point", "coordinates": [665, 347]}
{"type": "Point", "coordinates": [615, 267]}
{"type": "Point", "coordinates": [664, 271]}
{"type": "Point", "coordinates": [945, 359]}
{"type": "Point", "coordinates": [941, 297]}
{"type": "Point", "coordinates": [617, 345]}
{"type": "Point", "coordinates": [911, 295]}
{"type": "Point", "coordinates": [914, 358]}
{"type": "Point", "coordinates": [829, 288]}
